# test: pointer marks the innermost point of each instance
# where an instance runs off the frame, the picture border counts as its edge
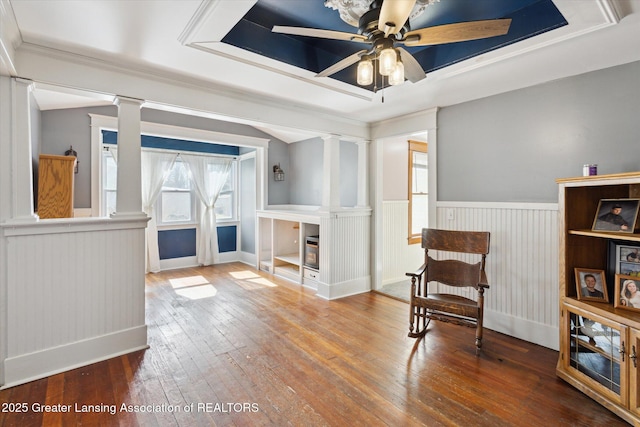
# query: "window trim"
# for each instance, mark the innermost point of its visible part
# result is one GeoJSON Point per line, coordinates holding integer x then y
{"type": "Point", "coordinates": [235, 217]}
{"type": "Point", "coordinates": [421, 147]}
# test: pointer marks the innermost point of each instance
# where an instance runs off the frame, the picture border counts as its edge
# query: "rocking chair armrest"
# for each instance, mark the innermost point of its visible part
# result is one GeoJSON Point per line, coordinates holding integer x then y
{"type": "Point", "coordinates": [418, 272]}
{"type": "Point", "coordinates": [483, 280]}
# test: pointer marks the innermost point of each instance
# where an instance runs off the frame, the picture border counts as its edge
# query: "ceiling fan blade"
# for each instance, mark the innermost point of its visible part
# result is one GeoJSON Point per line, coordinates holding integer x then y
{"type": "Point", "coordinates": [458, 32]}
{"type": "Point", "coordinates": [341, 65]}
{"type": "Point", "coordinates": [412, 69]}
{"type": "Point", "coordinates": [393, 15]}
{"type": "Point", "coordinates": [323, 34]}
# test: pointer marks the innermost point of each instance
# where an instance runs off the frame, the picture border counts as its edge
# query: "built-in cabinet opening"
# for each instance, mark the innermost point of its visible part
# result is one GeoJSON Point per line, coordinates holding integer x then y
{"type": "Point", "coordinates": [283, 249]}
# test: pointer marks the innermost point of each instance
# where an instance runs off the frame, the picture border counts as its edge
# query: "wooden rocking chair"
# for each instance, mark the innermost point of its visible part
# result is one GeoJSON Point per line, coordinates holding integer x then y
{"type": "Point", "coordinates": [449, 307]}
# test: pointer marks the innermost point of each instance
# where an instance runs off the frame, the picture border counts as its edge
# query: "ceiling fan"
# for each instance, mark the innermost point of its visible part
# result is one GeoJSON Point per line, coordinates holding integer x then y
{"type": "Point", "coordinates": [386, 25]}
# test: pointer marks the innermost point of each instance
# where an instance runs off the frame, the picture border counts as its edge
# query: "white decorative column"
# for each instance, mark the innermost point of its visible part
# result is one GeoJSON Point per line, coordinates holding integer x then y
{"type": "Point", "coordinates": [129, 189]}
{"type": "Point", "coordinates": [331, 173]}
{"type": "Point", "coordinates": [363, 173]}
{"type": "Point", "coordinates": [21, 160]}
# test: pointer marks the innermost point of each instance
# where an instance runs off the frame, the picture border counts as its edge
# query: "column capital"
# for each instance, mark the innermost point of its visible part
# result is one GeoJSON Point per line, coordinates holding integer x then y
{"type": "Point", "coordinates": [331, 137]}
{"type": "Point", "coordinates": [119, 99]}
{"type": "Point", "coordinates": [362, 142]}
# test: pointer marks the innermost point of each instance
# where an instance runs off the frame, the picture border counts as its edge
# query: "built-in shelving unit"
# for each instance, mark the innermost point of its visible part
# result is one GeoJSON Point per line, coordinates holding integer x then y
{"type": "Point", "coordinates": [599, 342]}
{"type": "Point", "coordinates": [282, 237]}
{"type": "Point", "coordinates": [340, 265]}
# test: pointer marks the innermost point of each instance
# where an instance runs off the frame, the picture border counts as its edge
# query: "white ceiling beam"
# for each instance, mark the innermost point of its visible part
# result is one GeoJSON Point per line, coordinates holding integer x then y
{"type": "Point", "coordinates": [163, 88]}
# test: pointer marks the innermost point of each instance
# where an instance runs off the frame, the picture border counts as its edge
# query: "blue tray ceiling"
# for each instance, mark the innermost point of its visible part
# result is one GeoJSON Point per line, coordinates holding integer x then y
{"type": "Point", "coordinates": [253, 31]}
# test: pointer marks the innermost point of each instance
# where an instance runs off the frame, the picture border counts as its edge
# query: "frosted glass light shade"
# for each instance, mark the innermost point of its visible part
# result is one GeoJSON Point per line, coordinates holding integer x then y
{"type": "Point", "coordinates": [365, 72]}
{"type": "Point", "coordinates": [397, 75]}
{"type": "Point", "coordinates": [387, 61]}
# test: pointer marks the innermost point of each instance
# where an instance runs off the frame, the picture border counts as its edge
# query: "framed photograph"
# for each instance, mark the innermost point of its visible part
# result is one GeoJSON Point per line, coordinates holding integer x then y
{"type": "Point", "coordinates": [616, 215]}
{"type": "Point", "coordinates": [627, 292]}
{"type": "Point", "coordinates": [623, 257]}
{"type": "Point", "coordinates": [591, 285]}
{"type": "Point", "coordinates": [628, 260]}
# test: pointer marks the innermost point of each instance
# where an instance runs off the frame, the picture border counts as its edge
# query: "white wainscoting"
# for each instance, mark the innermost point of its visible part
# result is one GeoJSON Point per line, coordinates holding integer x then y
{"type": "Point", "coordinates": [345, 242]}
{"type": "Point", "coordinates": [522, 266]}
{"type": "Point", "coordinates": [84, 302]}
{"type": "Point", "coordinates": [398, 257]}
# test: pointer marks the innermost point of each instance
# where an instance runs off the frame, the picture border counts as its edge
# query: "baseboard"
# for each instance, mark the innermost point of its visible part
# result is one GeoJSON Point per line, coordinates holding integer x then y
{"type": "Point", "coordinates": [396, 280]}
{"type": "Point", "coordinates": [33, 366]}
{"type": "Point", "coordinates": [344, 289]}
{"type": "Point", "coordinates": [192, 261]}
{"type": "Point", "coordinates": [537, 333]}
{"type": "Point", "coordinates": [175, 263]}
{"type": "Point", "coordinates": [247, 258]}
{"type": "Point", "coordinates": [224, 257]}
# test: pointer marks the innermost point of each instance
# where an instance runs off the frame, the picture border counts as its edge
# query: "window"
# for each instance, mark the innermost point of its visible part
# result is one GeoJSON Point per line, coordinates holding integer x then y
{"type": "Point", "coordinates": [226, 203]}
{"type": "Point", "coordinates": [109, 182]}
{"type": "Point", "coordinates": [177, 203]}
{"type": "Point", "coordinates": [418, 190]}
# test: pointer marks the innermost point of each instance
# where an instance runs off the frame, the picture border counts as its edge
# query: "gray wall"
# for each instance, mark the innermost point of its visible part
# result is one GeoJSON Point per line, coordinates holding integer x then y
{"type": "Point", "coordinates": [306, 169]}
{"type": "Point", "coordinates": [62, 128]}
{"type": "Point", "coordinates": [278, 191]}
{"type": "Point", "coordinates": [511, 147]}
{"type": "Point", "coordinates": [305, 177]}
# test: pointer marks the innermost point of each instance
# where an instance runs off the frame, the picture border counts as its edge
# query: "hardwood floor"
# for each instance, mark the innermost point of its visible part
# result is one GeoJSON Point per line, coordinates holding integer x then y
{"type": "Point", "coordinates": [230, 346]}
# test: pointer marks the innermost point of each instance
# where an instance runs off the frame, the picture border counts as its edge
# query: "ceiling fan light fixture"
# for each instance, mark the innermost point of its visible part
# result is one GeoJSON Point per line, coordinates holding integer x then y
{"type": "Point", "coordinates": [384, 23]}
{"type": "Point", "coordinates": [365, 72]}
{"type": "Point", "coordinates": [387, 60]}
{"type": "Point", "coordinates": [397, 75]}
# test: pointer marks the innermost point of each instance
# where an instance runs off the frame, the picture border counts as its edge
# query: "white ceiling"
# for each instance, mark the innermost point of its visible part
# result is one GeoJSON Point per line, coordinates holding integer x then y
{"type": "Point", "coordinates": [182, 38]}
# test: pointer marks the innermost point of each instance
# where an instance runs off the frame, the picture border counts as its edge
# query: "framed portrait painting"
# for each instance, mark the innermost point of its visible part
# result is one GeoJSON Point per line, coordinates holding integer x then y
{"type": "Point", "coordinates": [627, 292]}
{"type": "Point", "coordinates": [616, 215]}
{"type": "Point", "coordinates": [591, 285]}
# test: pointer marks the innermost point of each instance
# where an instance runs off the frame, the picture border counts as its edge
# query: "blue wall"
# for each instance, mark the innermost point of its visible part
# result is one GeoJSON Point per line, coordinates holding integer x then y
{"type": "Point", "coordinates": [177, 243]}
{"type": "Point", "coordinates": [111, 137]}
{"type": "Point", "coordinates": [182, 243]}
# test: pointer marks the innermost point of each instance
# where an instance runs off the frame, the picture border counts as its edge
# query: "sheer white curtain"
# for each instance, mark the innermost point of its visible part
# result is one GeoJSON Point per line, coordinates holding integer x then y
{"type": "Point", "coordinates": [209, 175]}
{"type": "Point", "coordinates": [155, 167]}
{"type": "Point", "coordinates": [114, 153]}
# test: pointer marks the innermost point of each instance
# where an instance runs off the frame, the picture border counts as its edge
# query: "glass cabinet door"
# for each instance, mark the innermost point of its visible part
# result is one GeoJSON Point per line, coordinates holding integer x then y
{"type": "Point", "coordinates": [597, 353]}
